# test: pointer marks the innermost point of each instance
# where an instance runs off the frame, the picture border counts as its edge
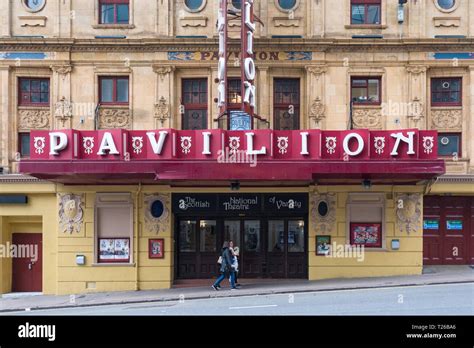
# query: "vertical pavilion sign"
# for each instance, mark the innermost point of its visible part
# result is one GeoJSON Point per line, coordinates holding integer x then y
{"type": "Point", "coordinates": [222, 65]}
{"type": "Point", "coordinates": [238, 119]}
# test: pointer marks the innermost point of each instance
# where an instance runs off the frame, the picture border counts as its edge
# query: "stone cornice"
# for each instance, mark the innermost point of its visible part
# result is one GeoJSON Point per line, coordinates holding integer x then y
{"type": "Point", "coordinates": [459, 179]}
{"type": "Point", "coordinates": [210, 44]}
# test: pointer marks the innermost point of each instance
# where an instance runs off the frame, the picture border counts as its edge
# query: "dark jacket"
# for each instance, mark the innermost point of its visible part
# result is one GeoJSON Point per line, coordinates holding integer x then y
{"type": "Point", "coordinates": [226, 264]}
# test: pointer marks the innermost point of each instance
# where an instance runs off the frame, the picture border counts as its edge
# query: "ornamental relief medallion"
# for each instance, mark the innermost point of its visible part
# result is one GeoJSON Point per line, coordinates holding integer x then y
{"type": "Point", "coordinates": [367, 118]}
{"type": "Point", "coordinates": [317, 110]}
{"type": "Point", "coordinates": [115, 118]}
{"type": "Point", "coordinates": [71, 212]}
{"type": "Point", "coordinates": [408, 211]}
{"type": "Point", "coordinates": [33, 119]}
{"type": "Point", "coordinates": [155, 223]}
{"type": "Point", "coordinates": [323, 212]}
{"type": "Point", "coordinates": [446, 119]}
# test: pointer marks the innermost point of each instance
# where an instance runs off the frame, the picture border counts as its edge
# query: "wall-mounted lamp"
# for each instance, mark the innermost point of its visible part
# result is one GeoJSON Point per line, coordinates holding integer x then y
{"type": "Point", "coordinates": [367, 184]}
{"type": "Point", "coordinates": [235, 186]}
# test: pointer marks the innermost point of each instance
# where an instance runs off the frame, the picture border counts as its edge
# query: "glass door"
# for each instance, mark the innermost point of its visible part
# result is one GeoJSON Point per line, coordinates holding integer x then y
{"type": "Point", "coordinates": [187, 248]}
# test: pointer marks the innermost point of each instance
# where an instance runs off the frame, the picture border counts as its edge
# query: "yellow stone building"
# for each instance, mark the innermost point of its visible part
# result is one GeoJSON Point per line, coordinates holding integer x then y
{"type": "Point", "coordinates": [151, 65]}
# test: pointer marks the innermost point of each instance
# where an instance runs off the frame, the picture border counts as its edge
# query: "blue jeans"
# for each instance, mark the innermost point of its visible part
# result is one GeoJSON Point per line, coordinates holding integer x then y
{"type": "Point", "coordinates": [223, 276]}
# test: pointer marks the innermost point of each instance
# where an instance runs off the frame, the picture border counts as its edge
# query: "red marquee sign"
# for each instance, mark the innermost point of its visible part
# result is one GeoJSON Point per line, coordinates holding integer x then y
{"type": "Point", "coordinates": [170, 154]}
{"type": "Point", "coordinates": [171, 144]}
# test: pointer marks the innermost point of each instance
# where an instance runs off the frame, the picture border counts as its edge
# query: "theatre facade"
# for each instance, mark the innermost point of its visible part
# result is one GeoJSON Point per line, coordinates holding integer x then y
{"type": "Point", "coordinates": [134, 145]}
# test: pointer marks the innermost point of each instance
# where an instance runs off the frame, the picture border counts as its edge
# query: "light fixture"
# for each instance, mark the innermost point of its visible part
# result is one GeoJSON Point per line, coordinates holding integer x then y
{"type": "Point", "coordinates": [367, 184]}
{"type": "Point", "coordinates": [235, 186]}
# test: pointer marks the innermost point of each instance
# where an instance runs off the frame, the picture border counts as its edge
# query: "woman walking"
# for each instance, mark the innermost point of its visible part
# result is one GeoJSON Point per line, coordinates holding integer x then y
{"type": "Point", "coordinates": [226, 268]}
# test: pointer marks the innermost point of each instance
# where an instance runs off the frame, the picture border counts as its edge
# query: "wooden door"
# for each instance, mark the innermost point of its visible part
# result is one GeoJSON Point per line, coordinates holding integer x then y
{"type": "Point", "coordinates": [27, 266]}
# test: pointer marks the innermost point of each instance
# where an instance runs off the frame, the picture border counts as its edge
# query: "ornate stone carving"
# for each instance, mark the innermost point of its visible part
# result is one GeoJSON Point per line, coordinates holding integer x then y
{"type": "Point", "coordinates": [63, 110]}
{"type": "Point", "coordinates": [162, 71]}
{"type": "Point", "coordinates": [408, 211]}
{"type": "Point", "coordinates": [70, 212]}
{"type": "Point", "coordinates": [33, 119]}
{"type": "Point", "coordinates": [317, 111]}
{"type": "Point", "coordinates": [157, 224]}
{"type": "Point", "coordinates": [287, 21]}
{"type": "Point", "coordinates": [162, 110]}
{"type": "Point", "coordinates": [446, 118]}
{"type": "Point", "coordinates": [367, 118]}
{"type": "Point", "coordinates": [61, 69]}
{"type": "Point", "coordinates": [416, 69]}
{"type": "Point", "coordinates": [114, 118]}
{"type": "Point", "coordinates": [194, 21]}
{"type": "Point", "coordinates": [323, 223]}
{"type": "Point", "coordinates": [416, 111]}
{"type": "Point", "coordinates": [316, 70]}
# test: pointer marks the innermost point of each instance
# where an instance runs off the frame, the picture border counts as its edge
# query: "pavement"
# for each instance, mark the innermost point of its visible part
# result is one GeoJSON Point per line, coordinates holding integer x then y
{"type": "Point", "coordinates": [431, 275]}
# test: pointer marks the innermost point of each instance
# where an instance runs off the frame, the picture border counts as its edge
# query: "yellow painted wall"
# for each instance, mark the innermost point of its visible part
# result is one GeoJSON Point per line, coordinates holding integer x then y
{"type": "Point", "coordinates": [39, 215]}
{"type": "Point", "coordinates": [408, 260]}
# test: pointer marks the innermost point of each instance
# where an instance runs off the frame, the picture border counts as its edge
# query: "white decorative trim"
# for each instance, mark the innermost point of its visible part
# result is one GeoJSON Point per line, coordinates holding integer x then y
{"type": "Point", "coordinates": [282, 143]}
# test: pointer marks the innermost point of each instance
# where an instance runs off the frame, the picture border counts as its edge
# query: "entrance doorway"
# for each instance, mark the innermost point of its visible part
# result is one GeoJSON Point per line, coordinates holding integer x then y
{"type": "Point", "coordinates": [269, 248]}
{"type": "Point", "coordinates": [27, 273]}
{"type": "Point", "coordinates": [448, 230]}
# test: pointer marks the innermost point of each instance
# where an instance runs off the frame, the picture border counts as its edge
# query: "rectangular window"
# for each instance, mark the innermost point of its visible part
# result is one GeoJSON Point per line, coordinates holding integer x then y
{"type": "Point", "coordinates": [234, 93]}
{"type": "Point", "coordinates": [449, 144]}
{"type": "Point", "coordinates": [114, 11]}
{"type": "Point", "coordinates": [366, 90]}
{"type": "Point", "coordinates": [286, 104]}
{"type": "Point", "coordinates": [114, 90]}
{"type": "Point", "coordinates": [114, 227]}
{"type": "Point", "coordinates": [446, 91]}
{"type": "Point", "coordinates": [366, 219]}
{"type": "Point", "coordinates": [195, 104]}
{"type": "Point", "coordinates": [33, 92]}
{"type": "Point", "coordinates": [24, 144]}
{"type": "Point", "coordinates": [366, 12]}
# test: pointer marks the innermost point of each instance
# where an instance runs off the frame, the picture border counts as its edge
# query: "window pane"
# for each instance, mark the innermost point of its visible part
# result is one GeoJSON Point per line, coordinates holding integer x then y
{"type": "Point", "coordinates": [296, 236]}
{"type": "Point", "coordinates": [232, 232]}
{"type": "Point", "coordinates": [358, 14]}
{"type": "Point", "coordinates": [122, 90]}
{"type": "Point", "coordinates": [35, 97]}
{"type": "Point", "coordinates": [448, 144]}
{"type": "Point", "coordinates": [276, 231]}
{"type": "Point", "coordinates": [44, 86]}
{"type": "Point", "coordinates": [374, 91]}
{"type": "Point", "coordinates": [187, 236]}
{"type": "Point", "coordinates": [107, 91]}
{"type": "Point", "coordinates": [44, 97]}
{"type": "Point", "coordinates": [252, 235]}
{"type": "Point", "coordinates": [25, 144]}
{"type": "Point", "coordinates": [359, 83]}
{"type": "Point", "coordinates": [193, 4]}
{"type": "Point", "coordinates": [122, 14]}
{"type": "Point", "coordinates": [208, 235]}
{"type": "Point", "coordinates": [107, 14]}
{"type": "Point", "coordinates": [287, 4]}
{"type": "Point", "coordinates": [25, 85]}
{"type": "Point", "coordinates": [237, 3]}
{"type": "Point", "coordinates": [446, 4]}
{"type": "Point", "coordinates": [359, 95]}
{"type": "Point", "coordinates": [35, 85]}
{"type": "Point", "coordinates": [373, 14]}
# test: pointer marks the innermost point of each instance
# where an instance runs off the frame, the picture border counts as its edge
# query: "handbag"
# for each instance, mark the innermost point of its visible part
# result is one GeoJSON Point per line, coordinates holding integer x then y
{"type": "Point", "coordinates": [219, 260]}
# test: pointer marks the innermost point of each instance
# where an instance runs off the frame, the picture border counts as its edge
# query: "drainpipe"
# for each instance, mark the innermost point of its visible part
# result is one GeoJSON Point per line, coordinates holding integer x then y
{"type": "Point", "coordinates": [135, 232]}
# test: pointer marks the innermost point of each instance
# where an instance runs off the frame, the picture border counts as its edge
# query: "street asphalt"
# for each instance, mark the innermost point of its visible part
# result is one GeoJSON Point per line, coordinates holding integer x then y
{"type": "Point", "coordinates": [444, 299]}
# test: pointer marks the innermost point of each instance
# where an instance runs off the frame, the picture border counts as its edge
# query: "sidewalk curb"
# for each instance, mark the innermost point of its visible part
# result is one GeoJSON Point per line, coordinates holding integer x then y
{"type": "Point", "coordinates": [201, 297]}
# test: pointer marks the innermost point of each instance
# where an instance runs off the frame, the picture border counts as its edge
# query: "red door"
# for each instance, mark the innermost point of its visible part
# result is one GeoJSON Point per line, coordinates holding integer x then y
{"type": "Point", "coordinates": [447, 230]}
{"type": "Point", "coordinates": [27, 266]}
